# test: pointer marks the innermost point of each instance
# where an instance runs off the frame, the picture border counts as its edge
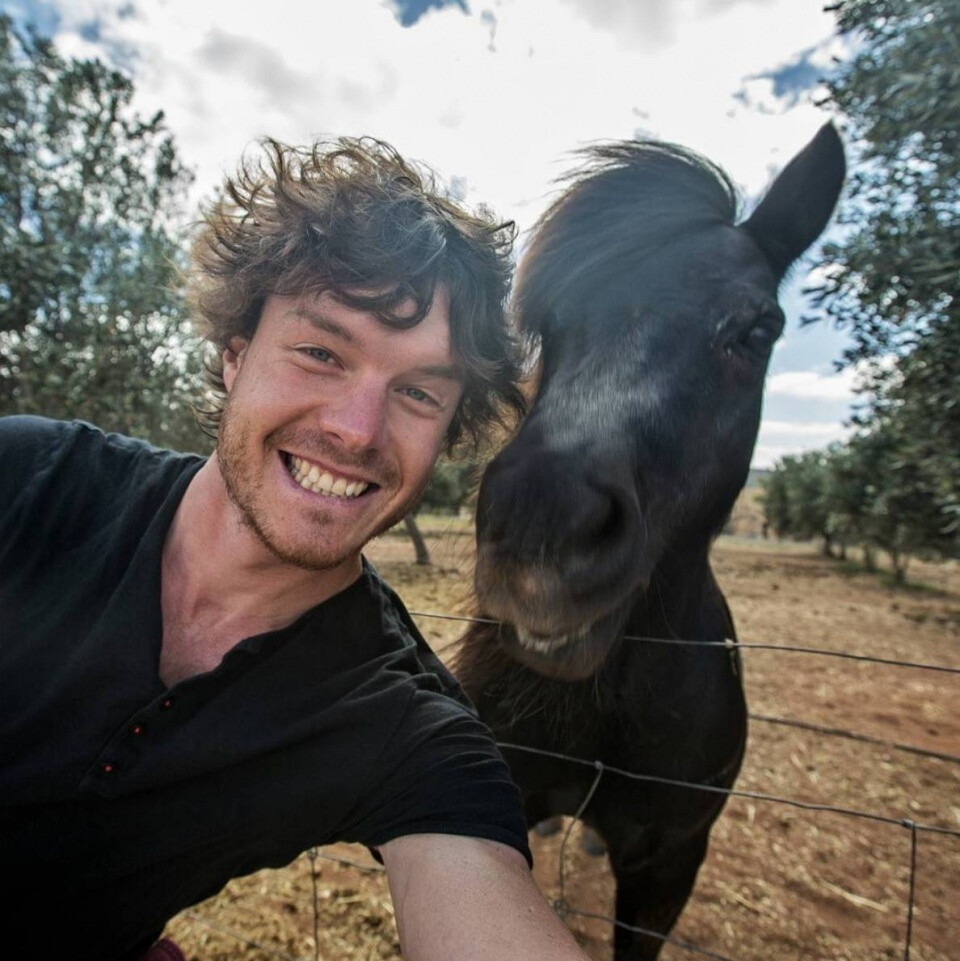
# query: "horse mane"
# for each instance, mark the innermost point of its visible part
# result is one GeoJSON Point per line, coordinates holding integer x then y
{"type": "Point", "coordinates": [628, 199]}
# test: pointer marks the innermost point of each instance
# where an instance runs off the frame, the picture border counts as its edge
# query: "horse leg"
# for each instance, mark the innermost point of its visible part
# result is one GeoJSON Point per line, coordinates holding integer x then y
{"type": "Point", "coordinates": [651, 892]}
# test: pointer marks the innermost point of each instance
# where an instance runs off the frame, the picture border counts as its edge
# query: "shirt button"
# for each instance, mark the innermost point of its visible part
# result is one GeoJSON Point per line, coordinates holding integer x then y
{"type": "Point", "coordinates": [167, 704]}
{"type": "Point", "coordinates": [137, 729]}
{"type": "Point", "coordinates": [107, 767]}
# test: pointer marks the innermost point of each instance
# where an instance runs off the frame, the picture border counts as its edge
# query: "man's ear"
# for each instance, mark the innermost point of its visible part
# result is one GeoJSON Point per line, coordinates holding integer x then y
{"type": "Point", "coordinates": [233, 355]}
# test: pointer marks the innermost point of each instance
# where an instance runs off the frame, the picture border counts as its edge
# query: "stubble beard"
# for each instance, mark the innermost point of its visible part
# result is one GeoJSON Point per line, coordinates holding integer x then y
{"type": "Point", "coordinates": [242, 485]}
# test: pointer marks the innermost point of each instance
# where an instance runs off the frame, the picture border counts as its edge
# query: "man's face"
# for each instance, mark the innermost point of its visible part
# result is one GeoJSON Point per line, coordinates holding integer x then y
{"type": "Point", "coordinates": [332, 424]}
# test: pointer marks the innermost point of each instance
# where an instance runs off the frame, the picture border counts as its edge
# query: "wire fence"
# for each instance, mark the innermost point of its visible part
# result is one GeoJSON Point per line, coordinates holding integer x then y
{"type": "Point", "coordinates": [560, 904]}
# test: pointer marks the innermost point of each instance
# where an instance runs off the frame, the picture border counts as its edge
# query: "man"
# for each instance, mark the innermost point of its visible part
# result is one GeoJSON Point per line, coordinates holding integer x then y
{"type": "Point", "coordinates": [200, 676]}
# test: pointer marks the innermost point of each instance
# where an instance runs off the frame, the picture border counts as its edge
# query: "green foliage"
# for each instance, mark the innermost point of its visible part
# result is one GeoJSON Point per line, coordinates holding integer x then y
{"type": "Point", "coordinates": [92, 315]}
{"type": "Point", "coordinates": [920, 402]}
{"type": "Point", "coordinates": [863, 492]}
{"type": "Point", "coordinates": [893, 279]}
{"type": "Point", "coordinates": [850, 489]}
{"type": "Point", "coordinates": [794, 498]}
{"type": "Point", "coordinates": [897, 270]}
{"type": "Point", "coordinates": [451, 485]}
{"type": "Point", "coordinates": [774, 500]}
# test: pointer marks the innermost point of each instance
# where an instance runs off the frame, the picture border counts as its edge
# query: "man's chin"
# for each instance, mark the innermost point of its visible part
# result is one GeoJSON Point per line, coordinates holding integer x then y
{"type": "Point", "coordinates": [309, 560]}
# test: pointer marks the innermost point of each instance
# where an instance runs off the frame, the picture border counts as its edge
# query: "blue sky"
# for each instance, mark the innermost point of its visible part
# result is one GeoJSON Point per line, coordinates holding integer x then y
{"type": "Point", "coordinates": [495, 95]}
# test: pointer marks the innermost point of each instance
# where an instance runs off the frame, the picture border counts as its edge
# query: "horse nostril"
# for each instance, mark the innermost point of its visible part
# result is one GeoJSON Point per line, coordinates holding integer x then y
{"type": "Point", "coordinates": [549, 510]}
{"type": "Point", "coordinates": [607, 519]}
{"type": "Point", "coordinates": [595, 530]}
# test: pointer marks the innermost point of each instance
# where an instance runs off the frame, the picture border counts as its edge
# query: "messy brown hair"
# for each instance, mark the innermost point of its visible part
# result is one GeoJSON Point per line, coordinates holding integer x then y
{"type": "Point", "coordinates": [353, 218]}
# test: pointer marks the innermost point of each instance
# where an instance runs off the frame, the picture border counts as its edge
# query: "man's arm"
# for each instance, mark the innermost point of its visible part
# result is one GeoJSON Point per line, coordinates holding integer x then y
{"type": "Point", "coordinates": [468, 899]}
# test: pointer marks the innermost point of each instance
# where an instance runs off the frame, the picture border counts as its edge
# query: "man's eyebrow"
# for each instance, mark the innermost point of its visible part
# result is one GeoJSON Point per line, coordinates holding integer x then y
{"type": "Point", "coordinates": [443, 371]}
{"type": "Point", "coordinates": [317, 319]}
{"type": "Point", "coordinates": [324, 323]}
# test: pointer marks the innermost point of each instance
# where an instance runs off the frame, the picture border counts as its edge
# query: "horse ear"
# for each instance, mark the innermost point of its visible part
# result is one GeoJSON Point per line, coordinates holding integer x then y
{"type": "Point", "coordinates": [799, 203]}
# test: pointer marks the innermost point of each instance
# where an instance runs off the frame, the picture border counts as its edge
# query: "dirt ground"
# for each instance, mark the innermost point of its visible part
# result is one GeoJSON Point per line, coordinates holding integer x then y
{"type": "Point", "coordinates": [779, 882]}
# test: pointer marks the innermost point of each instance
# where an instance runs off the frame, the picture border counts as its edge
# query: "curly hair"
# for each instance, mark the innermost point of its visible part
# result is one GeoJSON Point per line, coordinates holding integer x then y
{"type": "Point", "coordinates": [353, 218]}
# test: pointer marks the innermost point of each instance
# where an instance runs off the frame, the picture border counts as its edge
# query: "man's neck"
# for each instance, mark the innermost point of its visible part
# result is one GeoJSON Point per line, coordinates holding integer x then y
{"type": "Point", "coordinates": [220, 583]}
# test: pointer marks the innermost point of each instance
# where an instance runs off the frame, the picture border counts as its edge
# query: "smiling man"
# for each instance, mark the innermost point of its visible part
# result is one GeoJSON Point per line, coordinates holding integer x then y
{"type": "Point", "coordinates": [200, 674]}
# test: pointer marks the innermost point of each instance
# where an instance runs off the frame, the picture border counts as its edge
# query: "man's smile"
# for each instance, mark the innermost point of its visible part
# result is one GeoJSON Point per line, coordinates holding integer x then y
{"type": "Point", "coordinates": [319, 480]}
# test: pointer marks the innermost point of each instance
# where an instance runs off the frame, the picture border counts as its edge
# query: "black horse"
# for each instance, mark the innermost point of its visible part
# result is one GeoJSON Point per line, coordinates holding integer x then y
{"type": "Point", "coordinates": [655, 314]}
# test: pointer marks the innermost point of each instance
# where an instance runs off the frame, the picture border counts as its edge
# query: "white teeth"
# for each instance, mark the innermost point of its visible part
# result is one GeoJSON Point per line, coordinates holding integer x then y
{"type": "Point", "coordinates": [546, 645]}
{"type": "Point", "coordinates": [542, 645]}
{"type": "Point", "coordinates": [311, 478]}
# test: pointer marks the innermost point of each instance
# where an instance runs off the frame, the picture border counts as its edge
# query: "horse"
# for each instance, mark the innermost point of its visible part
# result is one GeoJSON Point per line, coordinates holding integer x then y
{"type": "Point", "coordinates": [654, 312]}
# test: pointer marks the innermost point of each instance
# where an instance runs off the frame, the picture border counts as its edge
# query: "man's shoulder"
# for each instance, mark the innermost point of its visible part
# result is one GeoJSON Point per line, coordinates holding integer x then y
{"type": "Point", "coordinates": [75, 470]}
{"type": "Point", "coordinates": [28, 434]}
{"type": "Point", "coordinates": [32, 446]}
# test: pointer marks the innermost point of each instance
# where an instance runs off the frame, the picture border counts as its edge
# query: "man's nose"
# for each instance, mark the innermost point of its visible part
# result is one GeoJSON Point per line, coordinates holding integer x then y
{"type": "Point", "coordinates": [356, 415]}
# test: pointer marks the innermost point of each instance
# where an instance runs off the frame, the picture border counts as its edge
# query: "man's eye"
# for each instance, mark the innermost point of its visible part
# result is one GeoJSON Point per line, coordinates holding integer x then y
{"type": "Point", "coordinates": [318, 353]}
{"type": "Point", "coordinates": [420, 396]}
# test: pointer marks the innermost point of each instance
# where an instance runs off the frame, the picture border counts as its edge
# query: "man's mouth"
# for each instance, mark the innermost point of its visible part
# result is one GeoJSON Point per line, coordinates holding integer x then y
{"type": "Point", "coordinates": [316, 479]}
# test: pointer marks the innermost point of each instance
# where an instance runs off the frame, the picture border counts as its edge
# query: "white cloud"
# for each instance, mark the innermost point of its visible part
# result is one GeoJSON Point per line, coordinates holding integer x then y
{"type": "Point", "coordinates": [778, 438]}
{"type": "Point", "coordinates": [815, 430]}
{"type": "Point", "coordinates": [650, 22]}
{"type": "Point", "coordinates": [812, 385]}
{"type": "Point", "coordinates": [503, 116]}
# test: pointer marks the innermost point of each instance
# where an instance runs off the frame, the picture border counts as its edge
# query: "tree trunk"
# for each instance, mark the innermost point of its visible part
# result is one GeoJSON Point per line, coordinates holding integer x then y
{"type": "Point", "coordinates": [899, 562]}
{"type": "Point", "coordinates": [419, 544]}
{"type": "Point", "coordinates": [869, 557]}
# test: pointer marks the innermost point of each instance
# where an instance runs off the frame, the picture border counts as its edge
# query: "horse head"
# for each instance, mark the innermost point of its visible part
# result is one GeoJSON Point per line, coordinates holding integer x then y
{"type": "Point", "coordinates": [655, 312]}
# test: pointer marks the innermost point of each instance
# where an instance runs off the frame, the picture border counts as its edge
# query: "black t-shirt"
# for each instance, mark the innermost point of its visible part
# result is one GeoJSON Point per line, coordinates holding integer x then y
{"type": "Point", "coordinates": [123, 801]}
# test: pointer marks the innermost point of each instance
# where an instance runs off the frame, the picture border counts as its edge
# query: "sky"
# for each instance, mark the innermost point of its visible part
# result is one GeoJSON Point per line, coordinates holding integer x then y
{"type": "Point", "coordinates": [496, 95]}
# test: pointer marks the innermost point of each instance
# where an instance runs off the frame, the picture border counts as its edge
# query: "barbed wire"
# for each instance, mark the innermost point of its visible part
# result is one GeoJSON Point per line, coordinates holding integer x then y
{"type": "Point", "coordinates": [732, 792]}
{"type": "Point", "coordinates": [560, 904]}
{"type": "Point", "coordinates": [729, 644]}
{"type": "Point", "coordinates": [912, 888]}
{"type": "Point", "coordinates": [659, 935]}
{"type": "Point", "coordinates": [766, 718]}
{"type": "Point", "coordinates": [854, 736]}
{"type": "Point", "coordinates": [907, 823]}
{"type": "Point", "coordinates": [349, 862]}
{"type": "Point", "coordinates": [313, 854]}
{"type": "Point", "coordinates": [564, 909]}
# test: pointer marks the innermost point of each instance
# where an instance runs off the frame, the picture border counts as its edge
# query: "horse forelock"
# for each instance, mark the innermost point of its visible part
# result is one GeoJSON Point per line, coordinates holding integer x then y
{"type": "Point", "coordinates": [626, 201]}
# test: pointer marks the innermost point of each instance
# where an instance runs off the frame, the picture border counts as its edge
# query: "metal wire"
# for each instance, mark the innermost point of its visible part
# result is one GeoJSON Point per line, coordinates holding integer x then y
{"type": "Point", "coordinates": [373, 868]}
{"type": "Point", "coordinates": [312, 854]}
{"type": "Point", "coordinates": [739, 645]}
{"type": "Point", "coordinates": [912, 887]}
{"type": "Point", "coordinates": [666, 938]}
{"type": "Point", "coordinates": [731, 792]}
{"type": "Point", "coordinates": [560, 904]}
{"type": "Point", "coordinates": [854, 736]}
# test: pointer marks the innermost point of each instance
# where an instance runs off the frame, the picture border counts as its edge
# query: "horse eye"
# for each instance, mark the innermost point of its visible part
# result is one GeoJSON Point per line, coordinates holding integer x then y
{"type": "Point", "coordinates": [760, 337]}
